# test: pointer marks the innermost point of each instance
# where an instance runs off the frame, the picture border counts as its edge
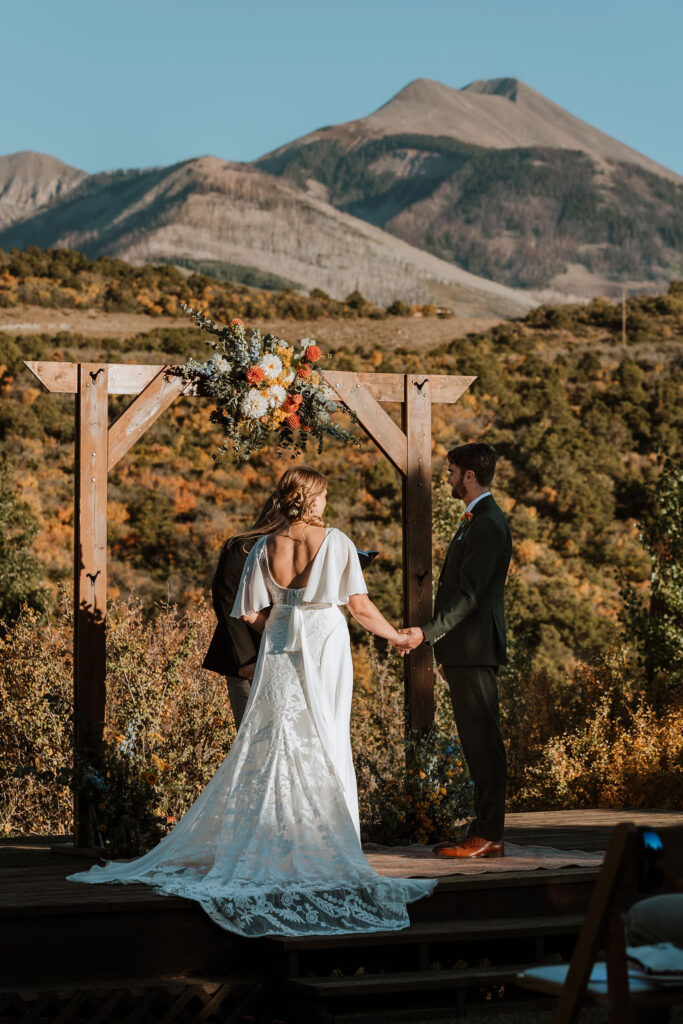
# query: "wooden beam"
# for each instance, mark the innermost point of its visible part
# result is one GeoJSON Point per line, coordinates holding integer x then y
{"type": "Point", "coordinates": [142, 412]}
{"type": "Point", "coordinates": [389, 387]}
{"type": "Point", "coordinates": [123, 378]}
{"type": "Point", "coordinates": [90, 577]}
{"type": "Point", "coordinates": [131, 379]}
{"type": "Point", "coordinates": [417, 550]}
{"type": "Point", "coordinates": [377, 423]}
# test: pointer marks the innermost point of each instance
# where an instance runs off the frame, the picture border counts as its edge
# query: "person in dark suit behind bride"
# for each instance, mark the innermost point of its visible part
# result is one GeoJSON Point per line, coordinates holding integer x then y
{"type": "Point", "coordinates": [235, 645]}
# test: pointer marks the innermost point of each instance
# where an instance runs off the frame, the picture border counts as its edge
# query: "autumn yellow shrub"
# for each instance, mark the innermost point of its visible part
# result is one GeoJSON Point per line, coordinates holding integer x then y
{"type": "Point", "coordinates": [588, 740]}
{"type": "Point", "coordinates": [168, 720]}
{"type": "Point", "coordinates": [636, 761]}
{"type": "Point", "coordinates": [591, 739]}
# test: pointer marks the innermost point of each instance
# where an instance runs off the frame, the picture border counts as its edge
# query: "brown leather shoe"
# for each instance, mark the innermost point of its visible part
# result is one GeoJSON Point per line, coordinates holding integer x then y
{"type": "Point", "coordinates": [465, 831]}
{"type": "Point", "coordinates": [473, 846]}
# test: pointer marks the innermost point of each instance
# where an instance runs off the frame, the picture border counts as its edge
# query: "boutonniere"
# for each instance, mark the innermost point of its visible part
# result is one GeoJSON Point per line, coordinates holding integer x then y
{"type": "Point", "coordinates": [466, 517]}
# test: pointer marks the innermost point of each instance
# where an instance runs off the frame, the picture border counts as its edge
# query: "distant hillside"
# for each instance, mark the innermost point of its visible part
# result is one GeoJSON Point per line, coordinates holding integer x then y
{"type": "Point", "coordinates": [62, 279]}
{"type": "Point", "coordinates": [489, 199]}
{"type": "Point", "coordinates": [209, 210]}
{"type": "Point", "coordinates": [29, 181]}
{"type": "Point", "coordinates": [503, 182]}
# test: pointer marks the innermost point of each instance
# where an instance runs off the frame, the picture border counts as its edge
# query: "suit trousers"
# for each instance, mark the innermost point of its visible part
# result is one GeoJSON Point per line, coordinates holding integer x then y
{"type": "Point", "coordinates": [238, 692]}
{"type": "Point", "coordinates": [474, 696]}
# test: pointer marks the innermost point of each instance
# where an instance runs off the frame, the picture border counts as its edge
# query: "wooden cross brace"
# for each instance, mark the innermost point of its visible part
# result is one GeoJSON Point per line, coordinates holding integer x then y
{"type": "Point", "coordinates": [98, 448]}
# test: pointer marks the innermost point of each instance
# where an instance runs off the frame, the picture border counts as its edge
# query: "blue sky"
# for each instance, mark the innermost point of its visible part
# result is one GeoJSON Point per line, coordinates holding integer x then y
{"type": "Point", "coordinates": [132, 84]}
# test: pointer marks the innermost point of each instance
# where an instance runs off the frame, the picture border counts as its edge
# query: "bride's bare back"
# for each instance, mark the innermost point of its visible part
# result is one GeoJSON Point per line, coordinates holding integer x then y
{"type": "Point", "coordinates": [291, 554]}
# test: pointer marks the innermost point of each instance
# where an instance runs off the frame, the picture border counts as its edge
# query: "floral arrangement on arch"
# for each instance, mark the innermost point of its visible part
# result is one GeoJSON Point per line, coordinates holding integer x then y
{"type": "Point", "coordinates": [263, 386]}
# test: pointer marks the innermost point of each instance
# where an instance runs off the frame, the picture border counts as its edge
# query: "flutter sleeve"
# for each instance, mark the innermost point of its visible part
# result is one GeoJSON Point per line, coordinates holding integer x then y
{"type": "Point", "coordinates": [252, 595]}
{"type": "Point", "coordinates": [337, 575]}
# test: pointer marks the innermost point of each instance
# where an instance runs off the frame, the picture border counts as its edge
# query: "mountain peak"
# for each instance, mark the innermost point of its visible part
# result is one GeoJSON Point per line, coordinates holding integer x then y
{"type": "Point", "coordinates": [475, 115]}
{"type": "Point", "coordinates": [28, 180]}
{"type": "Point", "coordinates": [507, 87]}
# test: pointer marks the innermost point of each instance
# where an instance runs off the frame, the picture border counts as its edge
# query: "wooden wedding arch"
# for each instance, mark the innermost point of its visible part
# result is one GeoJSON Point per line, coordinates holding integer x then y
{"type": "Point", "coordinates": [99, 447]}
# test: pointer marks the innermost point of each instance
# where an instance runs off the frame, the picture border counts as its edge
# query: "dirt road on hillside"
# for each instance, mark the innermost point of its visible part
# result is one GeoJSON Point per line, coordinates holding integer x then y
{"type": "Point", "coordinates": [392, 333]}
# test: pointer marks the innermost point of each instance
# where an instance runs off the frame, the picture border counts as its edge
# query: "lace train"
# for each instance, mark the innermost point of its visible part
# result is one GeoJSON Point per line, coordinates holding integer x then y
{"type": "Point", "coordinates": [271, 846]}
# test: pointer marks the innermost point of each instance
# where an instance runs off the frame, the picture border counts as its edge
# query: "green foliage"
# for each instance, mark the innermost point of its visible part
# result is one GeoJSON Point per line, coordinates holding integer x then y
{"type": "Point", "coordinates": [239, 274]}
{"type": "Point", "coordinates": [20, 570]}
{"type": "Point", "coordinates": [399, 308]}
{"type": "Point", "coordinates": [655, 627]}
{"type": "Point", "coordinates": [60, 278]}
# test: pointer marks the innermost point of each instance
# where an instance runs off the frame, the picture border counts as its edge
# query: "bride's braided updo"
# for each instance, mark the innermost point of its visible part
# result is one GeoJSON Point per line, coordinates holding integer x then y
{"type": "Point", "coordinates": [295, 492]}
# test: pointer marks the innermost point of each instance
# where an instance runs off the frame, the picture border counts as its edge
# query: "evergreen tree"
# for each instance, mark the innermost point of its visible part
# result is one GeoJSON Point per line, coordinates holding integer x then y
{"type": "Point", "coordinates": [657, 630]}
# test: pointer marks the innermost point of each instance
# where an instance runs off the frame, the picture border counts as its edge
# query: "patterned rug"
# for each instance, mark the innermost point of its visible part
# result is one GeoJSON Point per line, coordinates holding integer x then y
{"type": "Point", "coordinates": [419, 861]}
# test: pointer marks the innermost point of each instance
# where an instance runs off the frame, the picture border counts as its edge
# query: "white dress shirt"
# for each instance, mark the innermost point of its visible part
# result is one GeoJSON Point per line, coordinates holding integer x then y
{"type": "Point", "coordinates": [475, 500]}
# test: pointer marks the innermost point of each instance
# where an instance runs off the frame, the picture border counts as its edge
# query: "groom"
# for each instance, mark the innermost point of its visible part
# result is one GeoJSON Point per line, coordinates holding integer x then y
{"type": "Point", "coordinates": [467, 633]}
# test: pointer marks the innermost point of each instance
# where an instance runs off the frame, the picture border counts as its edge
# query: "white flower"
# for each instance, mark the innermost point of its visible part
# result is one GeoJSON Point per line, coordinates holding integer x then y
{"type": "Point", "coordinates": [254, 404]}
{"type": "Point", "coordinates": [275, 395]}
{"type": "Point", "coordinates": [305, 342]}
{"type": "Point", "coordinates": [221, 364]}
{"type": "Point", "coordinates": [271, 366]}
{"type": "Point", "coordinates": [289, 377]}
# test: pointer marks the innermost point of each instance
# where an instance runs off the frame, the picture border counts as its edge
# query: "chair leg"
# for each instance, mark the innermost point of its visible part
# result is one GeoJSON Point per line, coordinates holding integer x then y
{"type": "Point", "coordinates": [617, 971]}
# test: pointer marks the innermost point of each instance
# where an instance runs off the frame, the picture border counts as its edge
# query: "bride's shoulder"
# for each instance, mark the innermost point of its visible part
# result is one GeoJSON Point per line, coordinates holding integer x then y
{"type": "Point", "coordinates": [339, 538]}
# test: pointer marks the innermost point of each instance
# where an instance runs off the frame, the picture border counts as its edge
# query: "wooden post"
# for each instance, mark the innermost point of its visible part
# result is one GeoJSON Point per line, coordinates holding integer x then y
{"type": "Point", "coordinates": [417, 549]}
{"type": "Point", "coordinates": [90, 578]}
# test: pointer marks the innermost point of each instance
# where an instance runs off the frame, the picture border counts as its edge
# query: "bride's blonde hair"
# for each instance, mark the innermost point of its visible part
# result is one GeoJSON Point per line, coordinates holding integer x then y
{"type": "Point", "coordinates": [296, 489]}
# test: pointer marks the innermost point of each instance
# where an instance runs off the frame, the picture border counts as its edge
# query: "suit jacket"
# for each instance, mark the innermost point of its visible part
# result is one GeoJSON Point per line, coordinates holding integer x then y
{"type": "Point", "coordinates": [468, 626]}
{"type": "Point", "coordinates": [234, 642]}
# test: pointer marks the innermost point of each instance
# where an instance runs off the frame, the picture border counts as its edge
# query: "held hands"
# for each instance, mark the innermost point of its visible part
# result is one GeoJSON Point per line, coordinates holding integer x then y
{"type": "Point", "coordinates": [408, 639]}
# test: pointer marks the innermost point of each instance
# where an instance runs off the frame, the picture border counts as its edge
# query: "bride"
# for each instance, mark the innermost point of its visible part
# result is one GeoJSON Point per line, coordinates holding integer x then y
{"type": "Point", "coordinates": [272, 844]}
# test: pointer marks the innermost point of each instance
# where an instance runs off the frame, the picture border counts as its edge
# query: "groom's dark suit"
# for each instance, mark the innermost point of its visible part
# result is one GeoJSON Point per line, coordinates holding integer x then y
{"type": "Point", "coordinates": [234, 643]}
{"type": "Point", "coordinates": [467, 633]}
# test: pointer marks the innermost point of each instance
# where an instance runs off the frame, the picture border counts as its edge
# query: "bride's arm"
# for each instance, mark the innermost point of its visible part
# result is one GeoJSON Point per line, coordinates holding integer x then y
{"type": "Point", "coordinates": [369, 615]}
{"type": "Point", "coordinates": [257, 620]}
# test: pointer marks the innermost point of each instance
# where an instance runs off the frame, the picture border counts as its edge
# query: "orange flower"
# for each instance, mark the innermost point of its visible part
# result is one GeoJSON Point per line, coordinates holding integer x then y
{"type": "Point", "coordinates": [304, 370]}
{"type": "Point", "coordinates": [312, 354]}
{"type": "Point", "coordinates": [293, 421]}
{"type": "Point", "coordinates": [467, 517]}
{"type": "Point", "coordinates": [255, 375]}
{"type": "Point", "coordinates": [292, 403]}
{"type": "Point", "coordinates": [307, 430]}
{"type": "Point", "coordinates": [236, 323]}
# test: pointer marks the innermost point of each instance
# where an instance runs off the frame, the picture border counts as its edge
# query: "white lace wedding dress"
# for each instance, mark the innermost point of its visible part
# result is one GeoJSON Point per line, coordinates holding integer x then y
{"type": "Point", "coordinates": [271, 846]}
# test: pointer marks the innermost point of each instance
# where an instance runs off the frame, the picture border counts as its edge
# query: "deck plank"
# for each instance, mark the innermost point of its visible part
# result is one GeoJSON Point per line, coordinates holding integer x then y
{"type": "Point", "coordinates": [33, 878]}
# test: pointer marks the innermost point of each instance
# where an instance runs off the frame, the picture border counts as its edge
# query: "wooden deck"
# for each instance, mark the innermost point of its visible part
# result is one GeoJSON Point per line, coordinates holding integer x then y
{"type": "Point", "coordinates": [59, 936]}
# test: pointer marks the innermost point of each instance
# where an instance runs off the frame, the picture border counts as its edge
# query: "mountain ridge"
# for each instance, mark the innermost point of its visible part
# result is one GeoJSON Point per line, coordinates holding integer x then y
{"type": "Point", "coordinates": [479, 115]}
{"type": "Point", "coordinates": [209, 209]}
{"type": "Point", "coordinates": [487, 193]}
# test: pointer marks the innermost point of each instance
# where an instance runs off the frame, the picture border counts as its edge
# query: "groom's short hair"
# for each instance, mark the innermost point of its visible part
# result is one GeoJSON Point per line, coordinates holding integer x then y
{"type": "Point", "coordinates": [480, 458]}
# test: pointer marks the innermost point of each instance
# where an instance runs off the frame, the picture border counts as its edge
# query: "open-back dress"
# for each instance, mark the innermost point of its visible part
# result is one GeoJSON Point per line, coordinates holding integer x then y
{"type": "Point", "coordinates": [272, 844]}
